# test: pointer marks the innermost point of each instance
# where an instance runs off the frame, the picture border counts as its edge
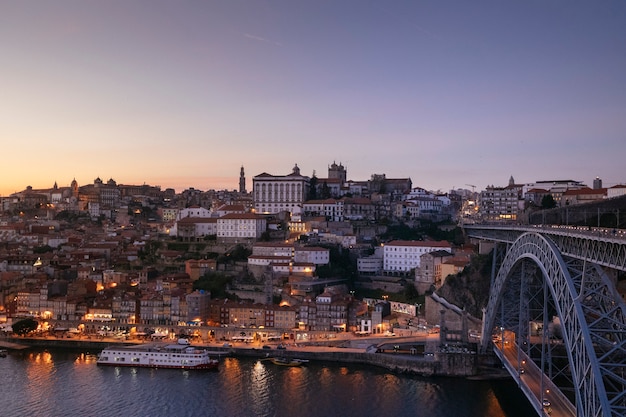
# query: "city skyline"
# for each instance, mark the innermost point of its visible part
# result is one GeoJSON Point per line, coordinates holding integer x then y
{"type": "Point", "coordinates": [182, 95]}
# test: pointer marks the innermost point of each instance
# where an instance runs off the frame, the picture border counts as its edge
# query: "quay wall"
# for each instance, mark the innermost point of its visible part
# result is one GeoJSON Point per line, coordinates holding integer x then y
{"type": "Point", "coordinates": [440, 364]}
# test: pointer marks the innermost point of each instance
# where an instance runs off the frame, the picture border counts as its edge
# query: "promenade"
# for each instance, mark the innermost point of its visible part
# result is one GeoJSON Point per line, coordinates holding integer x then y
{"type": "Point", "coordinates": [397, 354]}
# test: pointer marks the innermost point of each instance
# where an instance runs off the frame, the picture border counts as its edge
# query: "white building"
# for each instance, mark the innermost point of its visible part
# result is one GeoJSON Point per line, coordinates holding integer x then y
{"type": "Point", "coordinates": [402, 256]}
{"type": "Point", "coordinates": [371, 265]}
{"type": "Point", "coordinates": [194, 211]}
{"type": "Point", "coordinates": [616, 191]}
{"type": "Point", "coordinates": [273, 194]}
{"type": "Point", "coordinates": [244, 226]}
{"type": "Point", "coordinates": [191, 228]}
{"type": "Point", "coordinates": [331, 209]}
{"type": "Point", "coordinates": [273, 249]}
{"type": "Point", "coordinates": [312, 254]}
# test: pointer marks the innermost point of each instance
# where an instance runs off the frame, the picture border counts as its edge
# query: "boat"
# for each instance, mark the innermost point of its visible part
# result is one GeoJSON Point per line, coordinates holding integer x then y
{"type": "Point", "coordinates": [3, 353]}
{"type": "Point", "coordinates": [173, 356]}
{"type": "Point", "coordinates": [288, 361]}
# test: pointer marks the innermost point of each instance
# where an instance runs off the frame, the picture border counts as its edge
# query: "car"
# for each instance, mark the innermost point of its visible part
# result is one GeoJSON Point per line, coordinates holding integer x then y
{"type": "Point", "coordinates": [522, 371]}
{"type": "Point", "coordinates": [266, 347]}
{"type": "Point", "coordinates": [281, 346]}
{"type": "Point", "coordinates": [228, 345]}
{"type": "Point", "coordinates": [546, 403]}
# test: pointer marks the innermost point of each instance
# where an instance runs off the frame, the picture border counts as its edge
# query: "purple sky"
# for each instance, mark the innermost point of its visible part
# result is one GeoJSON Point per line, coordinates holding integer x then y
{"type": "Point", "coordinates": [183, 93]}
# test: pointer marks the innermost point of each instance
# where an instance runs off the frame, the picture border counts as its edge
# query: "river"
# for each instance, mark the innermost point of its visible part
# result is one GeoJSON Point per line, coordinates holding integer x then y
{"type": "Point", "coordinates": [51, 383]}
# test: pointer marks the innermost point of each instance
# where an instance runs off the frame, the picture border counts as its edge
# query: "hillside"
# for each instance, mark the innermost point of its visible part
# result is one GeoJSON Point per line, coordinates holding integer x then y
{"type": "Point", "coordinates": [470, 288]}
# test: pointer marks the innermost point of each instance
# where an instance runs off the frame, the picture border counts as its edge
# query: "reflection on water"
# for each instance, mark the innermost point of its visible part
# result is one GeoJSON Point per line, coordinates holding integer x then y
{"type": "Point", "coordinates": [57, 383]}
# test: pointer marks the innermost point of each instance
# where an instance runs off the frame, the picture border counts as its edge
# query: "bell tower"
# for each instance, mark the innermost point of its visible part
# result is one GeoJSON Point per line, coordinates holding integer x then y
{"type": "Point", "coordinates": [242, 181]}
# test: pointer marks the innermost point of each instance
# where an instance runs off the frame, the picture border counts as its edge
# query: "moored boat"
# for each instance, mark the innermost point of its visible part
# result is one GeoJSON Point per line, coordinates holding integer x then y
{"type": "Point", "coordinates": [288, 361]}
{"type": "Point", "coordinates": [174, 356]}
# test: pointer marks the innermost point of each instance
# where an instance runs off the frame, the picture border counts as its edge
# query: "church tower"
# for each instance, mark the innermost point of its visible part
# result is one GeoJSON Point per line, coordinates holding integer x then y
{"type": "Point", "coordinates": [74, 187]}
{"type": "Point", "coordinates": [242, 181]}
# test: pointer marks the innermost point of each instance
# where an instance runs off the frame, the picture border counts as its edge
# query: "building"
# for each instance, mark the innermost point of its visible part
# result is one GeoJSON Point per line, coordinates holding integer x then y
{"type": "Point", "coordinates": [196, 268]}
{"type": "Point", "coordinates": [402, 256]}
{"type": "Point", "coordinates": [195, 228]}
{"type": "Point", "coordinates": [312, 254]}
{"type": "Point", "coordinates": [198, 306]}
{"type": "Point", "coordinates": [241, 227]}
{"type": "Point", "coordinates": [616, 191]}
{"type": "Point", "coordinates": [582, 195]}
{"type": "Point", "coordinates": [429, 272]}
{"type": "Point", "coordinates": [274, 194]}
{"type": "Point", "coordinates": [328, 312]}
{"type": "Point", "coordinates": [502, 203]}
{"type": "Point", "coordinates": [331, 209]}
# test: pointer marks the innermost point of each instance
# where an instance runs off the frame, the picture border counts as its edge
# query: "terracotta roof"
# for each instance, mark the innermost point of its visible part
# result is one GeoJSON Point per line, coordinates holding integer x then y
{"type": "Point", "coordinates": [586, 191]}
{"type": "Point", "coordinates": [194, 220]}
{"type": "Point", "coordinates": [420, 243]}
{"type": "Point", "coordinates": [242, 216]}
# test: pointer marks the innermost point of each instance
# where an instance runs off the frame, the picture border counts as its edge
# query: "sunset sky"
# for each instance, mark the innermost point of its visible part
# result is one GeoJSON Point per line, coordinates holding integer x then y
{"type": "Point", "coordinates": [183, 93]}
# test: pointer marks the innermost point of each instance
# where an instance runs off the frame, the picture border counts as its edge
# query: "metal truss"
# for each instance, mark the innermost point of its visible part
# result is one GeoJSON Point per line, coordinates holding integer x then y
{"type": "Point", "coordinates": [591, 313]}
{"type": "Point", "coordinates": [600, 246]}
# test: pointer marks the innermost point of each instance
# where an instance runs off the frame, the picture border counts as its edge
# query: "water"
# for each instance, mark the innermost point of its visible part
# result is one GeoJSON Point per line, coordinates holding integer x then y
{"type": "Point", "coordinates": [68, 383]}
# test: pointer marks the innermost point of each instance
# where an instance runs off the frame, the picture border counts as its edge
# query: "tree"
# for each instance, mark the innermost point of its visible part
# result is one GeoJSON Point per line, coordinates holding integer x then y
{"type": "Point", "coordinates": [312, 188]}
{"type": "Point", "coordinates": [547, 202]}
{"type": "Point", "coordinates": [25, 326]}
{"type": "Point", "coordinates": [325, 191]}
{"type": "Point", "coordinates": [214, 282]}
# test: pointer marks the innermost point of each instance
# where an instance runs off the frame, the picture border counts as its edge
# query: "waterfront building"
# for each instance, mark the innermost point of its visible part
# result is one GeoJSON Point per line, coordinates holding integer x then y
{"type": "Point", "coordinates": [124, 308]}
{"type": "Point", "coordinates": [246, 315]}
{"type": "Point", "coordinates": [332, 310]}
{"type": "Point", "coordinates": [198, 306]}
{"type": "Point", "coordinates": [280, 317]}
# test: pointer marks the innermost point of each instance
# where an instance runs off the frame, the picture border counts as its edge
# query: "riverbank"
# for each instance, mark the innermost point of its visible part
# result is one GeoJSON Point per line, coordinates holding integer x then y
{"type": "Point", "coordinates": [466, 365]}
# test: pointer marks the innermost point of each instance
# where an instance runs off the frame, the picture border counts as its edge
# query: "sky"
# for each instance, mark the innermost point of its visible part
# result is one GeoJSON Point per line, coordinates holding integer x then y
{"type": "Point", "coordinates": [451, 94]}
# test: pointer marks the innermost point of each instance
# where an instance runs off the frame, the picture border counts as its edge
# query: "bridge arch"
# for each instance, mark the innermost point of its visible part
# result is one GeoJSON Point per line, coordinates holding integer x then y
{"type": "Point", "coordinates": [592, 320]}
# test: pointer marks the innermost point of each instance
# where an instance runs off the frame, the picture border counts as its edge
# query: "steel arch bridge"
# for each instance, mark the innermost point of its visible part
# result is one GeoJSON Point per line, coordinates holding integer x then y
{"type": "Point", "coordinates": [555, 273]}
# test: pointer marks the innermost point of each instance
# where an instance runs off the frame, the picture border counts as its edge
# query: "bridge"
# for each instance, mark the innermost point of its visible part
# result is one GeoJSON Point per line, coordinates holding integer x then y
{"type": "Point", "coordinates": [554, 315]}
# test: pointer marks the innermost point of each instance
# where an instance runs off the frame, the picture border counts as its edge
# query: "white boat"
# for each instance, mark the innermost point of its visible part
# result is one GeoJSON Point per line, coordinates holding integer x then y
{"type": "Point", "coordinates": [175, 356]}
